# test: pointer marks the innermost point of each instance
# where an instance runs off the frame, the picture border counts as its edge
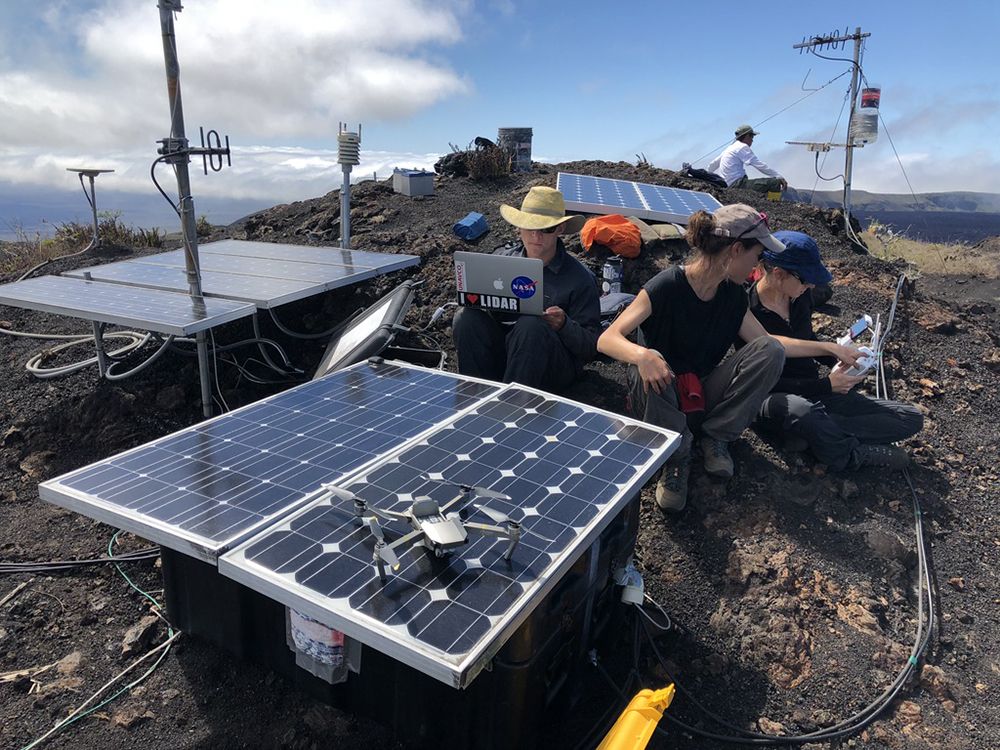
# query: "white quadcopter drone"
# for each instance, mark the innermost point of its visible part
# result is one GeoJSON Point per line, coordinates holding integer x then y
{"type": "Point", "coordinates": [432, 525]}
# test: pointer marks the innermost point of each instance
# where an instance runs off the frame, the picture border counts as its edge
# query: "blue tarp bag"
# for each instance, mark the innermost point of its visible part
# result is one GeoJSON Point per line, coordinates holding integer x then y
{"type": "Point", "coordinates": [472, 226]}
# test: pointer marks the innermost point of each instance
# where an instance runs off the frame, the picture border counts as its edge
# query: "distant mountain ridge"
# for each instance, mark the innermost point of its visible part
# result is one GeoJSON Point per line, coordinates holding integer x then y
{"type": "Point", "coordinates": [936, 217]}
{"type": "Point", "coordinates": [960, 216]}
{"type": "Point", "coordinates": [862, 200]}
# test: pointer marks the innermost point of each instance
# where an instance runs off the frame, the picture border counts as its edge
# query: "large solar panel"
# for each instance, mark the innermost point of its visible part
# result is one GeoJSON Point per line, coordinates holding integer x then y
{"type": "Point", "coordinates": [602, 195]}
{"type": "Point", "coordinates": [331, 256]}
{"type": "Point", "coordinates": [261, 291]}
{"type": "Point", "coordinates": [263, 273]}
{"type": "Point", "coordinates": [148, 309]}
{"type": "Point", "coordinates": [270, 268]}
{"type": "Point", "coordinates": [567, 470]}
{"type": "Point", "coordinates": [202, 489]}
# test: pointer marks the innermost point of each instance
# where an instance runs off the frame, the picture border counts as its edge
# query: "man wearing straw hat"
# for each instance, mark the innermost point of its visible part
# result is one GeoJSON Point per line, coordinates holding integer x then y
{"type": "Point", "coordinates": [731, 165]}
{"type": "Point", "coordinates": [546, 351]}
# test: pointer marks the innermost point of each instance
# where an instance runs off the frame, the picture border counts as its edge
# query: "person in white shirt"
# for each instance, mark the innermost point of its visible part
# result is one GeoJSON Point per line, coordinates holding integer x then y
{"type": "Point", "coordinates": [731, 165]}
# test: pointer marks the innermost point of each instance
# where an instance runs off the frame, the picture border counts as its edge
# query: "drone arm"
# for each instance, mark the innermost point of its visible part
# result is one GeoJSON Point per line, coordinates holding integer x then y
{"type": "Point", "coordinates": [488, 530]}
{"type": "Point", "coordinates": [406, 539]}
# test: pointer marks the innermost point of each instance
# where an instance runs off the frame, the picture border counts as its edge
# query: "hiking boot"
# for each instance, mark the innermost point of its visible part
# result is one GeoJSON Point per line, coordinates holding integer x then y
{"type": "Point", "coordinates": [718, 462]}
{"type": "Point", "coordinates": [672, 486]}
{"type": "Point", "coordinates": [888, 456]}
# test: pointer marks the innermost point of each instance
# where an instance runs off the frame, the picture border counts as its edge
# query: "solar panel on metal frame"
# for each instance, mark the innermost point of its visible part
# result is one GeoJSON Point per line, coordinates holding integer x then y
{"type": "Point", "coordinates": [149, 309]}
{"type": "Point", "coordinates": [602, 195]}
{"type": "Point", "coordinates": [261, 291]}
{"type": "Point", "coordinates": [202, 489]}
{"type": "Point", "coordinates": [323, 255]}
{"type": "Point", "coordinates": [568, 470]}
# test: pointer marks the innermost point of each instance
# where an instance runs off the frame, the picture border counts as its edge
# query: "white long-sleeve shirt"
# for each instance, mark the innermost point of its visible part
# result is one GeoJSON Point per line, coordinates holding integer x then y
{"type": "Point", "coordinates": [731, 164]}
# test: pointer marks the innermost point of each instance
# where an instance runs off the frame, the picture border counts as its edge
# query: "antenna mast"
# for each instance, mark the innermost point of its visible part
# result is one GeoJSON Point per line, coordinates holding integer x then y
{"type": "Point", "coordinates": [176, 151]}
{"type": "Point", "coordinates": [832, 41]}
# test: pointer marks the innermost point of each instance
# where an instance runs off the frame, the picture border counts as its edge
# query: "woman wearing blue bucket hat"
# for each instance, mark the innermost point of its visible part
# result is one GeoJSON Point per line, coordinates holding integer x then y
{"type": "Point", "coordinates": [843, 428]}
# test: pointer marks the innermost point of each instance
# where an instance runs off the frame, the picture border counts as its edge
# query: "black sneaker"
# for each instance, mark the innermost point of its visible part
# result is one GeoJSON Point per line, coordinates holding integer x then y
{"type": "Point", "coordinates": [888, 456]}
{"type": "Point", "coordinates": [672, 486]}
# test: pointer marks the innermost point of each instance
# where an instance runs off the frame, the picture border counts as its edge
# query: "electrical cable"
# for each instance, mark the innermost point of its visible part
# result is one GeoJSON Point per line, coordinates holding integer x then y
{"type": "Point", "coordinates": [603, 724]}
{"type": "Point", "coordinates": [215, 372]}
{"type": "Point", "coordinates": [33, 363]}
{"type": "Point", "coordinates": [162, 649]}
{"type": "Point", "coordinates": [833, 133]}
{"type": "Point", "coordinates": [109, 375]}
{"type": "Point", "coordinates": [267, 358]}
{"type": "Point", "coordinates": [309, 336]}
{"type": "Point", "coordinates": [53, 566]}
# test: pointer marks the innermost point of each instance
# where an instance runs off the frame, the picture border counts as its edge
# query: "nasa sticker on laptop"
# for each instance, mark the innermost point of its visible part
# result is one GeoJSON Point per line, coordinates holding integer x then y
{"type": "Point", "coordinates": [523, 287]}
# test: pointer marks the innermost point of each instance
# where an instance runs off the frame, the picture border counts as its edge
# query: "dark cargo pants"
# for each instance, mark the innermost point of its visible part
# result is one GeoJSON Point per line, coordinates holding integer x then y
{"type": "Point", "coordinates": [733, 394]}
{"type": "Point", "coordinates": [835, 425]}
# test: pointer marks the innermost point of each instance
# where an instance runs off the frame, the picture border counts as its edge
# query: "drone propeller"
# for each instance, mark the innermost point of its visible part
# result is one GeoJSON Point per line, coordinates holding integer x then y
{"type": "Point", "coordinates": [480, 491]}
{"type": "Point", "coordinates": [500, 517]}
{"type": "Point", "coordinates": [384, 550]}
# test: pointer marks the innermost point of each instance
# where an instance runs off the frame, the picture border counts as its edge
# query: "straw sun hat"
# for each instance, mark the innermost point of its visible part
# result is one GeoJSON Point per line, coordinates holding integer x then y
{"type": "Point", "coordinates": [542, 208]}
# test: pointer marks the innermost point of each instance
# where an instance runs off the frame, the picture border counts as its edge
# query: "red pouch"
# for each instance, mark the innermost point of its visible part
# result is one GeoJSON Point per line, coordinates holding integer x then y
{"type": "Point", "coordinates": [690, 393]}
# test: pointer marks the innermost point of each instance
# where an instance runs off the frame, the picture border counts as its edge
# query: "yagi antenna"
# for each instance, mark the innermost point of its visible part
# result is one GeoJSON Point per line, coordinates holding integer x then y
{"type": "Point", "coordinates": [831, 41]}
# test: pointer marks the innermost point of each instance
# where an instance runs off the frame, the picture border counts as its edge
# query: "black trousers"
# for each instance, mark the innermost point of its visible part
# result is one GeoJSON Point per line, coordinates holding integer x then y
{"type": "Point", "coordinates": [835, 425]}
{"type": "Point", "coordinates": [528, 352]}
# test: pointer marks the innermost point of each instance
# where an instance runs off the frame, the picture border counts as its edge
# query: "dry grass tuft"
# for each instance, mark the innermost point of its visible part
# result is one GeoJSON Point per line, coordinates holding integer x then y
{"type": "Point", "coordinates": [26, 251]}
{"type": "Point", "coordinates": [955, 259]}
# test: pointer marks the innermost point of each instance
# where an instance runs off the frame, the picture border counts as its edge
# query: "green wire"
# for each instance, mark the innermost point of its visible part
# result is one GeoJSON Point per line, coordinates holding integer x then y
{"type": "Point", "coordinates": [170, 632]}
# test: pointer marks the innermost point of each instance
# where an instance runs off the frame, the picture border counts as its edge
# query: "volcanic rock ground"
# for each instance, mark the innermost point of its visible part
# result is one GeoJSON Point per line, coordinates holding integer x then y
{"type": "Point", "coordinates": [792, 590]}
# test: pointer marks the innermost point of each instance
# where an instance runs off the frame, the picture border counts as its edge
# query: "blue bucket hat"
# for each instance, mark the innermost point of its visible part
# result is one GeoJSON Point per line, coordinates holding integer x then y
{"type": "Point", "coordinates": [801, 256]}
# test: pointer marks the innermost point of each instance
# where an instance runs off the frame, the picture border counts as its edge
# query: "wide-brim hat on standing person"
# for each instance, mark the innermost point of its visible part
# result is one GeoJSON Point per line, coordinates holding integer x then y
{"type": "Point", "coordinates": [542, 208]}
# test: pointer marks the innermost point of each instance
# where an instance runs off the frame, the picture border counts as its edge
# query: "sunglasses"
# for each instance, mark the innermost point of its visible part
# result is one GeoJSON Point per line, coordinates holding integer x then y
{"type": "Point", "coordinates": [795, 276]}
{"type": "Point", "coordinates": [762, 219]}
{"type": "Point", "coordinates": [549, 230]}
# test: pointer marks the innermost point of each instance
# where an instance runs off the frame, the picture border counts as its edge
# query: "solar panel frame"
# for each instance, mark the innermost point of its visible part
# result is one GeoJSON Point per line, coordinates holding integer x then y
{"type": "Point", "coordinates": [260, 291]}
{"type": "Point", "coordinates": [169, 313]}
{"type": "Point", "coordinates": [87, 490]}
{"type": "Point", "coordinates": [604, 195]}
{"type": "Point", "coordinates": [349, 553]}
{"type": "Point", "coordinates": [266, 274]}
{"type": "Point", "coordinates": [322, 255]}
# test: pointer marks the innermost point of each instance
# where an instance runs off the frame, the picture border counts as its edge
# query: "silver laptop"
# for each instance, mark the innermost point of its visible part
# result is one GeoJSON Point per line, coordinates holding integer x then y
{"type": "Point", "coordinates": [500, 283]}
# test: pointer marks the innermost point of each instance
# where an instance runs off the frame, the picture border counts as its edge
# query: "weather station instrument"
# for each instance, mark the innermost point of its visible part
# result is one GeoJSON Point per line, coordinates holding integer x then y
{"type": "Point", "coordinates": [863, 126]}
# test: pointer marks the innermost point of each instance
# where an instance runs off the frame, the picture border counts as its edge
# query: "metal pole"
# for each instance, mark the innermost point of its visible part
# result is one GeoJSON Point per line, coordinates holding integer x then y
{"type": "Point", "coordinates": [93, 205]}
{"type": "Point", "coordinates": [345, 209]}
{"type": "Point", "coordinates": [849, 161]}
{"type": "Point", "coordinates": [186, 203]}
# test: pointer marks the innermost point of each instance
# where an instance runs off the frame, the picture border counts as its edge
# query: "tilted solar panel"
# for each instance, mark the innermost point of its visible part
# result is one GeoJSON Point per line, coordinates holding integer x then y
{"type": "Point", "coordinates": [202, 489]}
{"type": "Point", "coordinates": [561, 470]}
{"type": "Point", "coordinates": [602, 195]}
{"type": "Point", "coordinates": [149, 309]}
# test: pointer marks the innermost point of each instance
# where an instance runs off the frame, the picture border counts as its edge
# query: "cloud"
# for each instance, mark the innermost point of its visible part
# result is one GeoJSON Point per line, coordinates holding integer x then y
{"type": "Point", "coordinates": [288, 70]}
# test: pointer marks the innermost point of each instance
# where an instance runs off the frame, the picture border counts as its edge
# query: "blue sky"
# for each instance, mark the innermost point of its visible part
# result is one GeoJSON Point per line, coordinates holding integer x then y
{"type": "Point", "coordinates": [82, 83]}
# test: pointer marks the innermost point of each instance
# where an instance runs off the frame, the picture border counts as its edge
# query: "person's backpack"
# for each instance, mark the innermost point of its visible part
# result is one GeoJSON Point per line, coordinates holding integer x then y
{"type": "Point", "coordinates": [615, 232]}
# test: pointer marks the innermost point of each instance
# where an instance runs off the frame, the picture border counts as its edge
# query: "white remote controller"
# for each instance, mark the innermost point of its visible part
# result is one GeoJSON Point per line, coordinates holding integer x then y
{"type": "Point", "coordinates": [865, 364]}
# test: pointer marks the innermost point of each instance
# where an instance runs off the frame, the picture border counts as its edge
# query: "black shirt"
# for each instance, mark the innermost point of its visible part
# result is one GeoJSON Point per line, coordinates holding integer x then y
{"type": "Point", "coordinates": [692, 335]}
{"type": "Point", "coordinates": [570, 285]}
{"type": "Point", "coordinates": [801, 374]}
